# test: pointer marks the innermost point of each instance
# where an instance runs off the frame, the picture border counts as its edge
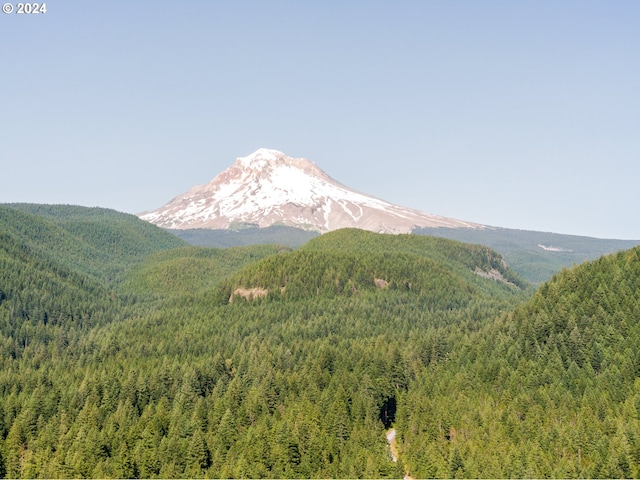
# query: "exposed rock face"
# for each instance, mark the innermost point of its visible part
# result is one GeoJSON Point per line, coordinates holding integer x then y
{"type": "Point", "coordinates": [267, 188]}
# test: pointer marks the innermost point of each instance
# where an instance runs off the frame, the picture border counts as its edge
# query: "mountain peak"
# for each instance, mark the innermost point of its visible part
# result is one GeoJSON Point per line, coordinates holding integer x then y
{"type": "Point", "coordinates": [267, 187]}
{"type": "Point", "coordinates": [265, 160]}
{"type": "Point", "coordinates": [260, 157]}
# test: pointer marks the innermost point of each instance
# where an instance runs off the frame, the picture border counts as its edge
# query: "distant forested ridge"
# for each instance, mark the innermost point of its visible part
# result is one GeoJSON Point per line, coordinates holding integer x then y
{"type": "Point", "coordinates": [125, 355]}
{"type": "Point", "coordinates": [535, 256]}
{"type": "Point", "coordinates": [244, 235]}
{"type": "Point", "coordinates": [97, 242]}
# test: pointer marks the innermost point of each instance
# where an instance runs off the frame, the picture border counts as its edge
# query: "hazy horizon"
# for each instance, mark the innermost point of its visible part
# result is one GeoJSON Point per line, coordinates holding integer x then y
{"type": "Point", "coordinates": [517, 115]}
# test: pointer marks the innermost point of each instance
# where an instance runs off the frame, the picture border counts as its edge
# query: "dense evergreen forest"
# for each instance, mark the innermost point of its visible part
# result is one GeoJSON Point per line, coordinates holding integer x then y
{"type": "Point", "coordinates": [97, 242]}
{"type": "Point", "coordinates": [125, 353]}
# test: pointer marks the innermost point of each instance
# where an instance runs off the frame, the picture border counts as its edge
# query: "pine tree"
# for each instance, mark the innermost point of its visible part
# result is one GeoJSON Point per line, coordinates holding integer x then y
{"type": "Point", "coordinates": [14, 448]}
{"type": "Point", "coordinates": [198, 454]}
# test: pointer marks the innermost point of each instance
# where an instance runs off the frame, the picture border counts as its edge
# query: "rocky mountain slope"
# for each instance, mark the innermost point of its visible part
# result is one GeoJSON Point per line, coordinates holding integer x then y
{"type": "Point", "coordinates": [269, 188]}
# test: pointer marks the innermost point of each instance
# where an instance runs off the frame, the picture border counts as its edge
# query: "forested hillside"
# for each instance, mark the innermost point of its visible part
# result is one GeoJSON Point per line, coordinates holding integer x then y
{"type": "Point", "coordinates": [186, 271]}
{"type": "Point", "coordinates": [41, 302]}
{"type": "Point", "coordinates": [550, 390]}
{"type": "Point", "coordinates": [98, 242]}
{"type": "Point", "coordinates": [266, 362]}
{"type": "Point", "coordinates": [443, 273]}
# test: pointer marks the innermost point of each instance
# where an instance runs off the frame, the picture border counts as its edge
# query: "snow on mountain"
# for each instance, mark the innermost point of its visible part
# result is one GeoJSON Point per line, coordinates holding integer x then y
{"type": "Point", "coordinates": [268, 187]}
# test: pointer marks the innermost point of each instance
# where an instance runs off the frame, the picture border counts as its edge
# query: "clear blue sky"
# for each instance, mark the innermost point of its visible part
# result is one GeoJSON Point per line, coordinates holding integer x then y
{"type": "Point", "coordinates": [520, 114]}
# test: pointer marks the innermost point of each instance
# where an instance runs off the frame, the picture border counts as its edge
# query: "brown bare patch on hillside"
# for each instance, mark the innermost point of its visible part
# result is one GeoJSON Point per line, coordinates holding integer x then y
{"type": "Point", "coordinates": [248, 293]}
{"type": "Point", "coordinates": [380, 283]}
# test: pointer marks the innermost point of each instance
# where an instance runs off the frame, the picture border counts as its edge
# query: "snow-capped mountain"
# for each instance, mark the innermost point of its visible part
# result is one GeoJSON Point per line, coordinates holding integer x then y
{"type": "Point", "coordinates": [269, 188]}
